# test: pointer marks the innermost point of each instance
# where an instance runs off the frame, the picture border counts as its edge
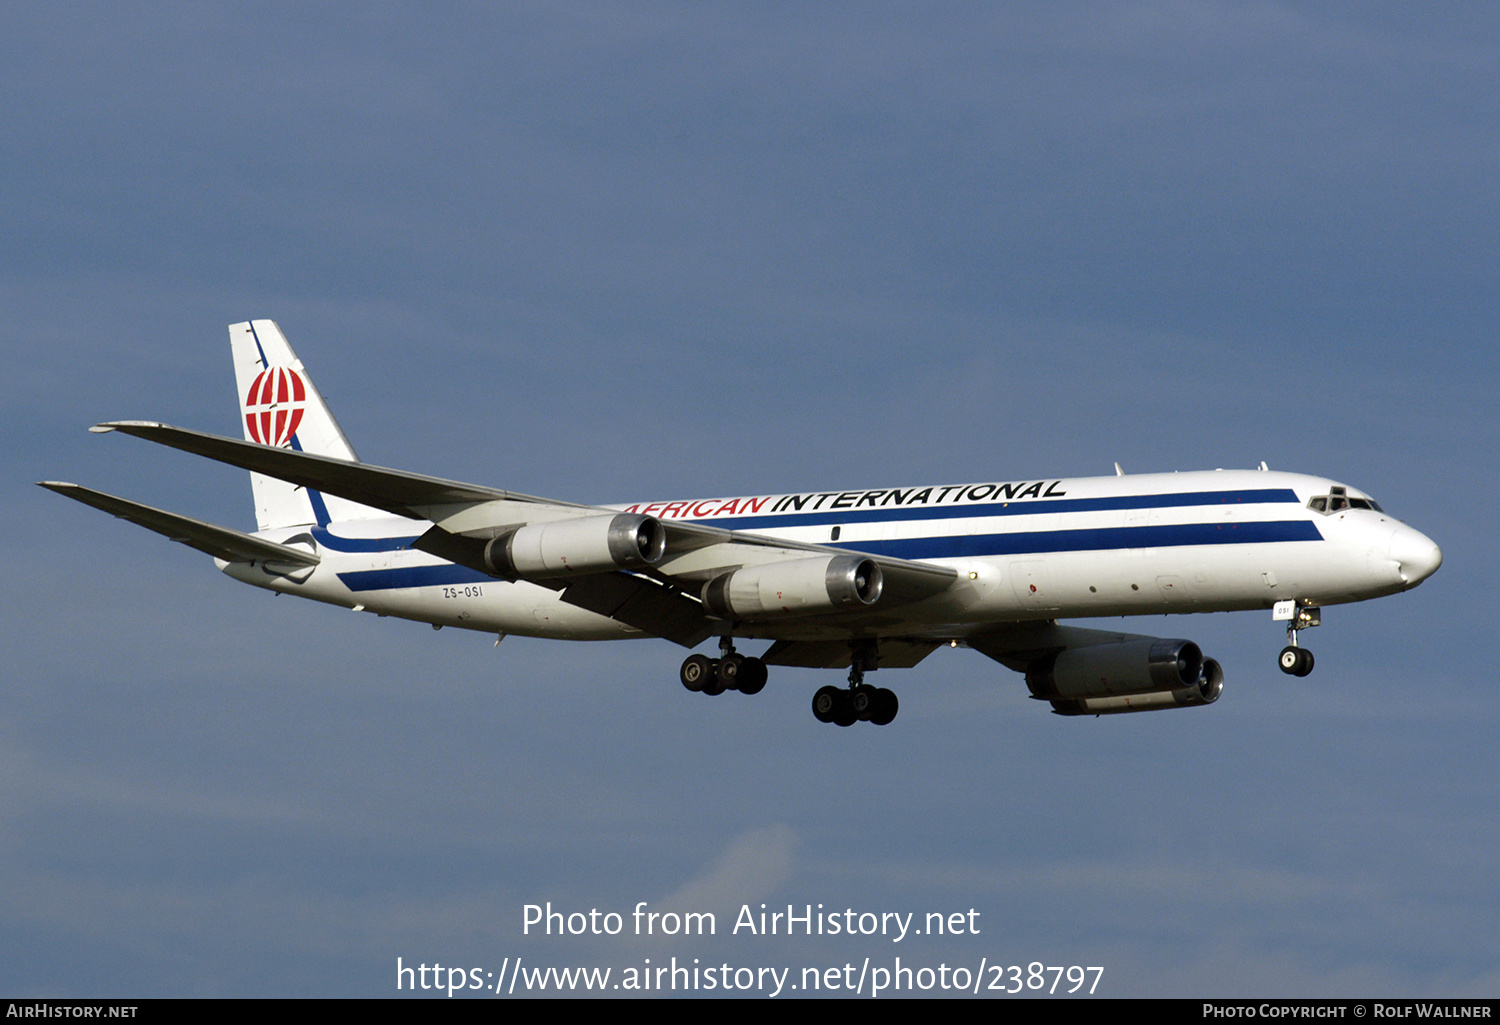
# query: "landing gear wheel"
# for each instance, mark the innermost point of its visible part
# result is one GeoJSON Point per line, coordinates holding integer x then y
{"type": "Point", "coordinates": [843, 710]}
{"type": "Point", "coordinates": [752, 676]}
{"type": "Point", "coordinates": [846, 707]}
{"type": "Point", "coordinates": [712, 683]}
{"type": "Point", "coordinates": [731, 669]}
{"type": "Point", "coordinates": [825, 702]}
{"type": "Point", "coordinates": [1296, 661]}
{"type": "Point", "coordinates": [695, 670]}
{"type": "Point", "coordinates": [862, 701]}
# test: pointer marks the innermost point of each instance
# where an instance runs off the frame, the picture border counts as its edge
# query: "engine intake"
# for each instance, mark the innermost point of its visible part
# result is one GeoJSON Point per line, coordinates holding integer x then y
{"type": "Point", "coordinates": [588, 544]}
{"type": "Point", "coordinates": [794, 587]}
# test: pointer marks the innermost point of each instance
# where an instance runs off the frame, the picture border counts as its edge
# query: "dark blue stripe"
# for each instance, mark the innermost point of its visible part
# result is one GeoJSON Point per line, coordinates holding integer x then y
{"type": "Point", "coordinates": [826, 517]}
{"type": "Point", "coordinates": [256, 339]}
{"type": "Point", "coordinates": [1043, 542]}
{"type": "Point", "coordinates": [415, 576]}
{"type": "Point", "coordinates": [334, 543]}
{"type": "Point", "coordinates": [958, 546]}
{"type": "Point", "coordinates": [1018, 507]}
{"type": "Point", "coordinates": [320, 508]}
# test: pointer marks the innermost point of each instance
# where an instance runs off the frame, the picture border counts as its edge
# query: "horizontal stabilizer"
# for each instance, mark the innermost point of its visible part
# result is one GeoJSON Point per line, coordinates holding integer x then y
{"type": "Point", "coordinates": [220, 542]}
{"type": "Point", "coordinates": [394, 491]}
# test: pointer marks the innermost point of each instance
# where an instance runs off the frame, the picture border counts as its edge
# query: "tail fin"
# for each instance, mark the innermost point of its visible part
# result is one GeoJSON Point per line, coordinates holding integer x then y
{"type": "Point", "coordinates": [280, 406]}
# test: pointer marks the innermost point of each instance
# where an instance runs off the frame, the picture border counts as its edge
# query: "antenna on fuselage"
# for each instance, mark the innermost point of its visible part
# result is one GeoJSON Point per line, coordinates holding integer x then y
{"type": "Point", "coordinates": [1119, 472]}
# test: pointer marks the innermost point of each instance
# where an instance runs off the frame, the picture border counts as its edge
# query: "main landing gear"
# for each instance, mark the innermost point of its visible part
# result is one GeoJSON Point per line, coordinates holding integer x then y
{"type": "Point", "coordinates": [843, 706]}
{"type": "Point", "coordinates": [860, 702]}
{"type": "Point", "coordinates": [730, 671]}
{"type": "Point", "coordinates": [1294, 660]}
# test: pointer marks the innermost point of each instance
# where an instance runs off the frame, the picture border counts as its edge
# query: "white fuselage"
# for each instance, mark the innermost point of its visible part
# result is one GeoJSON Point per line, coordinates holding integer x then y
{"type": "Point", "coordinates": [1052, 549]}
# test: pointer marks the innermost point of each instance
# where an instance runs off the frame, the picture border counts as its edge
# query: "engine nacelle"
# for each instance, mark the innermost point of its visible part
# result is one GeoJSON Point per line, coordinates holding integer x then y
{"type": "Point", "coordinates": [795, 587]}
{"type": "Point", "coordinates": [1205, 692]}
{"type": "Point", "coordinates": [1137, 675]}
{"type": "Point", "coordinates": [588, 544]}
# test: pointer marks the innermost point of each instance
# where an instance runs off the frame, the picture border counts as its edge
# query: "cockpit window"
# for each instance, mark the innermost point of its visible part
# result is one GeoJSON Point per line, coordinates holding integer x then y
{"type": "Point", "coordinates": [1338, 500]}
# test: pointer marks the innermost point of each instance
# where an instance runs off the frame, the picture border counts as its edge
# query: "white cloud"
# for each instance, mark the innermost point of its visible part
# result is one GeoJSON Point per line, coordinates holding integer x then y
{"type": "Point", "coordinates": [752, 868]}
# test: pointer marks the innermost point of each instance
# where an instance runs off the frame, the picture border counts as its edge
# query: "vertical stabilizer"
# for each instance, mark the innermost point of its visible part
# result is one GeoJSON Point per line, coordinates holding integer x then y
{"type": "Point", "coordinates": [280, 406]}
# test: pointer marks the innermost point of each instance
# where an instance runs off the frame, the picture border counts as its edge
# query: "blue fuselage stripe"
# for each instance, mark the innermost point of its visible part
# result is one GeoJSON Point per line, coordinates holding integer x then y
{"type": "Point", "coordinates": [833, 517]}
{"type": "Point", "coordinates": [335, 543]}
{"type": "Point", "coordinates": [1045, 542]}
{"type": "Point", "coordinates": [956, 546]}
{"type": "Point", "coordinates": [414, 576]}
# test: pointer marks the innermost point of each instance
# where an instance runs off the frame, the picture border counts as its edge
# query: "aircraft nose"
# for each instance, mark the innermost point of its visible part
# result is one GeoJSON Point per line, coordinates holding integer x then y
{"type": "Point", "coordinates": [1415, 553]}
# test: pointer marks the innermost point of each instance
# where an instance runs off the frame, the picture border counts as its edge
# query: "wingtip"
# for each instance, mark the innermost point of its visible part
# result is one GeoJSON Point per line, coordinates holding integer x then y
{"type": "Point", "coordinates": [56, 485]}
{"type": "Point", "coordinates": [123, 425]}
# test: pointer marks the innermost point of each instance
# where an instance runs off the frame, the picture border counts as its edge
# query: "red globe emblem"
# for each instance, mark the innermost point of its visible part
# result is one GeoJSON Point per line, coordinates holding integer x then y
{"type": "Point", "coordinates": [273, 408]}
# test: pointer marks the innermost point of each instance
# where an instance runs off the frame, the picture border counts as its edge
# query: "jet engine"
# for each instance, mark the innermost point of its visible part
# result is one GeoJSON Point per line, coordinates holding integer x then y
{"type": "Point", "coordinates": [794, 587]}
{"type": "Point", "coordinates": [1139, 675]}
{"type": "Point", "coordinates": [588, 544]}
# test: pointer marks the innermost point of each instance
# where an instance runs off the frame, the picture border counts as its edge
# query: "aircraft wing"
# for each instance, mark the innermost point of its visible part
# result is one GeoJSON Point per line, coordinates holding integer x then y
{"type": "Point", "coordinates": [220, 542]}
{"type": "Point", "coordinates": [659, 600]}
{"type": "Point", "coordinates": [643, 603]}
{"type": "Point", "coordinates": [894, 653]}
{"type": "Point", "coordinates": [394, 491]}
{"type": "Point", "coordinates": [1018, 645]}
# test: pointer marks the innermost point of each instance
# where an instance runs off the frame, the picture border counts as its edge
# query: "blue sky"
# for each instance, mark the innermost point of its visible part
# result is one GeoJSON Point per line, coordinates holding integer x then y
{"type": "Point", "coordinates": [610, 253]}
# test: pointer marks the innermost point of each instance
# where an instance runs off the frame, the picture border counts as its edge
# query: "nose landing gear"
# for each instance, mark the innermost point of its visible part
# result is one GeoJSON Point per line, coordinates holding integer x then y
{"type": "Point", "coordinates": [1294, 660]}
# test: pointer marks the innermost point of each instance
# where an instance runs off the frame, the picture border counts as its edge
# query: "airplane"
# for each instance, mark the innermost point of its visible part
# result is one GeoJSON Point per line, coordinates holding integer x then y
{"type": "Point", "coordinates": [861, 579]}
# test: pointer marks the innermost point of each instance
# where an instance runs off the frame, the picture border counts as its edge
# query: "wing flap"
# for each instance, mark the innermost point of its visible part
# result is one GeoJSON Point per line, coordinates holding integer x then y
{"type": "Point", "coordinates": [220, 542]}
{"type": "Point", "coordinates": [894, 653]}
{"type": "Point", "coordinates": [644, 604]}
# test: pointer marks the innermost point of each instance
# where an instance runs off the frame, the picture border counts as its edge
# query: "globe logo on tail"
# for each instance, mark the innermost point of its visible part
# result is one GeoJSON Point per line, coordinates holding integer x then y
{"type": "Point", "coordinates": [274, 406]}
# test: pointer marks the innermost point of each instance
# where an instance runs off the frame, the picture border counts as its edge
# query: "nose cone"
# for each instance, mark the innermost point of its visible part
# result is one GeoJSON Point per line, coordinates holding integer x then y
{"type": "Point", "coordinates": [1416, 555]}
